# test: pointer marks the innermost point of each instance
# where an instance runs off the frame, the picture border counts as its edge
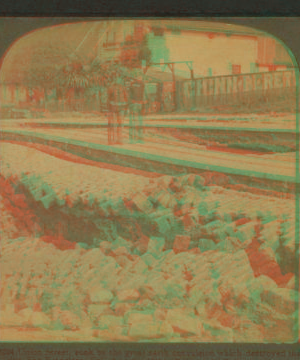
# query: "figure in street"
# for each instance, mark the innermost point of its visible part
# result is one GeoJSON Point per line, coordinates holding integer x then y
{"type": "Point", "coordinates": [117, 105]}
{"type": "Point", "coordinates": [137, 102]}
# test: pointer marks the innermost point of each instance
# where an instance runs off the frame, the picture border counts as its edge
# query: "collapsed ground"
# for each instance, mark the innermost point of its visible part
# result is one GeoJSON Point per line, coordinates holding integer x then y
{"type": "Point", "coordinates": [120, 256]}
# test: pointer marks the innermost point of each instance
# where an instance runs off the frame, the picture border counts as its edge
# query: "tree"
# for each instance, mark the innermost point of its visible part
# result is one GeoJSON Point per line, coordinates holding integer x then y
{"type": "Point", "coordinates": [103, 74]}
{"type": "Point", "coordinates": [53, 66]}
{"type": "Point", "coordinates": [145, 54]}
{"type": "Point", "coordinates": [136, 50]}
{"type": "Point", "coordinates": [73, 75]}
{"type": "Point", "coordinates": [157, 44]}
{"type": "Point", "coordinates": [44, 66]}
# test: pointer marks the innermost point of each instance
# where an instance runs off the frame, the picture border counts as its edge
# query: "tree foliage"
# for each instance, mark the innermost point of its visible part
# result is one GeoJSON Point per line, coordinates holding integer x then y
{"type": "Point", "coordinates": [135, 49]}
{"type": "Point", "coordinates": [44, 65]}
{"type": "Point", "coordinates": [54, 67]}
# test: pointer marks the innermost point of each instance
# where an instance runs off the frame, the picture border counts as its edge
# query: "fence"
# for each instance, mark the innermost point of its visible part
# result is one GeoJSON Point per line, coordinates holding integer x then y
{"type": "Point", "coordinates": [247, 90]}
{"type": "Point", "coordinates": [97, 102]}
{"type": "Point", "coordinates": [272, 90]}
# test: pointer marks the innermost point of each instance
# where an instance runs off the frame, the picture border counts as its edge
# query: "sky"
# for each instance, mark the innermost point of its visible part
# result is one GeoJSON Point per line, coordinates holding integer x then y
{"type": "Point", "coordinates": [287, 29]}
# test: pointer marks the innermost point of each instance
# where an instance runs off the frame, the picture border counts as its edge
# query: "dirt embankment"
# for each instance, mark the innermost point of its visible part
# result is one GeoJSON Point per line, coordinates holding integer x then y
{"type": "Point", "coordinates": [174, 261]}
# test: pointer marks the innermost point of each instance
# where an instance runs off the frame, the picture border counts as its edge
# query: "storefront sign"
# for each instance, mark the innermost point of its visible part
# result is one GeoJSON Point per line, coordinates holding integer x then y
{"type": "Point", "coordinates": [243, 83]}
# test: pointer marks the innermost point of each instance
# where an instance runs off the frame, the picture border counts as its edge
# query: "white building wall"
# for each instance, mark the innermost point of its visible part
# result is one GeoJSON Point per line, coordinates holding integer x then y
{"type": "Point", "coordinates": [217, 54]}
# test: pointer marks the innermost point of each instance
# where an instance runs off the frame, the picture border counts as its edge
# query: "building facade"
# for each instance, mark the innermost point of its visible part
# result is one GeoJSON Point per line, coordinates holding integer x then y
{"type": "Point", "coordinates": [183, 49]}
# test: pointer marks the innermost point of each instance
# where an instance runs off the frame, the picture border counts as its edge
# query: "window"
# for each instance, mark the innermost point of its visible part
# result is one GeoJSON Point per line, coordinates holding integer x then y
{"type": "Point", "coordinates": [281, 55]}
{"type": "Point", "coordinates": [111, 39]}
{"type": "Point", "coordinates": [272, 67]}
{"type": "Point", "coordinates": [266, 50]}
{"type": "Point", "coordinates": [253, 67]}
{"type": "Point", "coordinates": [176, 31]}
{"type": "Point", "coordinates": [158, 31]}
{"type": "Point", "coordinates": [236, 69]}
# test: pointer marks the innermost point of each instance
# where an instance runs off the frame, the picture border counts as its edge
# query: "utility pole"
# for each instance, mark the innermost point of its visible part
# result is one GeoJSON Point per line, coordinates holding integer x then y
{"type": "Point", "coordinates": [172, 68]}
{"type": "Point", "coordinates": [190, 66]}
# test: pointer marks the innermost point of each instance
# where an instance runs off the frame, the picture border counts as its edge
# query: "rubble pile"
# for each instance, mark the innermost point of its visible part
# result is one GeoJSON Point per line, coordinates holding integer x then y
{"type": "Point", "coordinates": [172, 258]}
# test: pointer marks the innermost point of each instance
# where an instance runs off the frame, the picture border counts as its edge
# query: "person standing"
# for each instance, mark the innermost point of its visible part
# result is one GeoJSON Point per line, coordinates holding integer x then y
{"type": "Point", "coordinates": [117, 105]}
{"type": "Point", "coordinates": [137, 103]}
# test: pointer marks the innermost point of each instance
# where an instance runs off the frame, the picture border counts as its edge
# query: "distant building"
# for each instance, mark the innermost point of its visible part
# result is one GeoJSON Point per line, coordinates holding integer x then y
{"type": "Point", "coordinates": [214, 48]}
{"type": "Point", "coordinates": [222, 49]}
{"type": "Point", "coordinates": [211, 48]}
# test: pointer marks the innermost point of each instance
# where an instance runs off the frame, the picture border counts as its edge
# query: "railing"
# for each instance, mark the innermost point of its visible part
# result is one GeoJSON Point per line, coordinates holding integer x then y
{"type": "Point", "coordinates": [244, 90]}
{"type": "Point", "coordinates": [275, 91]}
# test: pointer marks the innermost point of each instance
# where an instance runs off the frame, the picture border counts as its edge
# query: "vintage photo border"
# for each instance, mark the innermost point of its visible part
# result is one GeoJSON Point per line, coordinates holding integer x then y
{"type": "Point", "coordinates": [18, 350]}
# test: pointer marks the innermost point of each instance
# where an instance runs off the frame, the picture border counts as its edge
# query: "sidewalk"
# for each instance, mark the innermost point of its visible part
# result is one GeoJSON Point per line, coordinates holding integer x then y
{"type": "Point", "coordinates": [214, 122]}
{"type": "Point", "coordinates": [167, 155]}
{"type": "Point", "coordinates": [220, 116]}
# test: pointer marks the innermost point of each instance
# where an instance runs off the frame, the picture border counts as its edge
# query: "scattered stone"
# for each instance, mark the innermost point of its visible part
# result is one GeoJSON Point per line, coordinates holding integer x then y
{"type": "Point", "coordinates": [193, 180]}
{"type": "Point", "coordinates": [266, 283]}
{"type": "Point", "coordinates": [86, 324]}
{"type": "Point", "coordinates": [142, 203]}
{"type": "Point", "coordinates": [26, 314]}
{"type": "Point", "coordinates": [100, 295]}
{"type": "Point", "coordinates": [39, 319]}
{"type": "Point", "coordinates": [148, 259]}
{"type": "Point", "coordinates": [147, 292]}
{"type": "Point", "coordinates": [138, 266]}
{"type": "Point", "coordinates": [10, 318]}
{"type": "Point", "coordinates": [160, 314]}
{"type": "Point", "coordinates": [120, 242]}
{"type": "Point", "coordinates": [230, 229]}
{"type": "Point", "coordinates": [81, 245]}
{"type": "Point", "coordinates": [249, 333]}
{"type": "Point", "coordinates": [235, 271]}
{"type": "Point", "coordinates": [106, 247]}
{"type": "Point", "coordinates": [156, 246]}
{"type": "Point", "coordinates": [206, 244]}
{"type": "Point", "coordinates": [210, 284]}
{"type": "Point", "coordinates": [195, 294]}
{"type": "Point", "coordinates": [183, 322]}
{"type": "Point", "coordinates": [123, 261]}
{"type": "Point", "coordinates": [166, 329]}
{"type": "Point", "coordinates": [165, 199]}
{"type": "Point", "coordinates": [128, 295]}
{"type": "Point", "coordinates": [162, 222]}
{"type": "Point", "coordinates": [165, 181]}
{"type": "Point", "coordinates": [216, 178]}
{"type": "Point", "coordinates": [188, 221]}
{"type": "Point", "coordinates": [283, 300]}
{"type": "Point", "coordinates": [230, 245]}
{"type": "Point", "coordinates": [96, 310]}
{"type": "Point", "coordinates": [218, 332]}
{"type": "Point", "coordinates": [121, 308]}
{"type": "Point", "coordinates": [134, 317]}
{"type": "Point", "coordinates": [181, 243]}
{"type": "Point", "coordinates": [263, 263]}
{"type": "Point", "coordinates": [291, 284]}
{"type": "Point", "coordinates": [121, 251]}
{"type": "Point", "coordinates": [144, 330]}
{"type": "Point", "coordinates": [175, 290]}
{"type": "Point", "coordinates": [201, 309]}
{"type": "Point", "coordinates": [141, 246]}
{"type": "Point", "coordinates": [157, 282]}
{"type": "Point", "coordinates": [110, 321]}
{"type": "Point", "coordinates": [66, 319]}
